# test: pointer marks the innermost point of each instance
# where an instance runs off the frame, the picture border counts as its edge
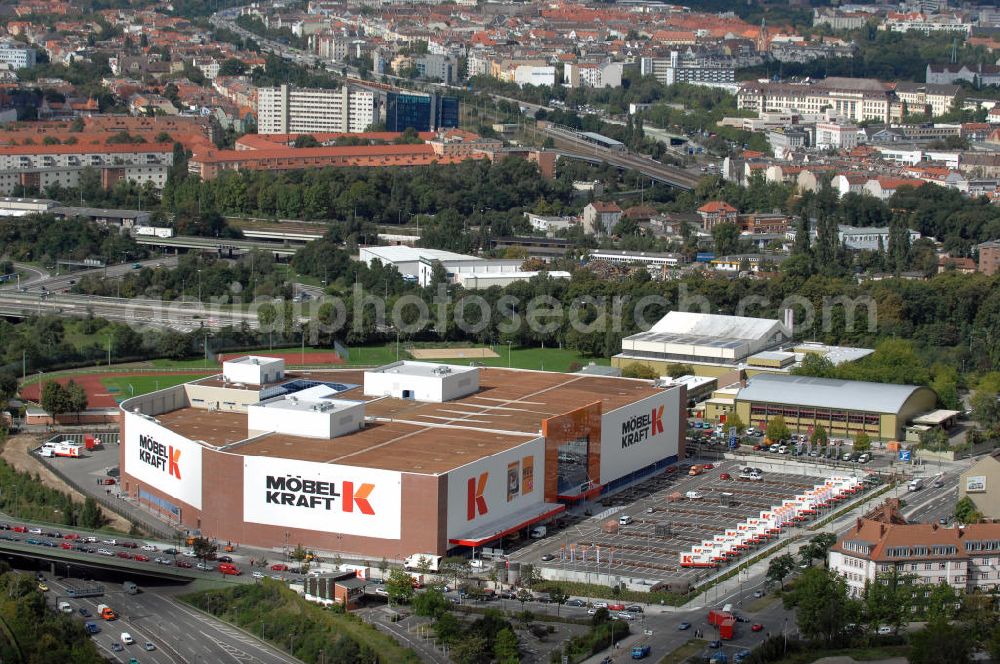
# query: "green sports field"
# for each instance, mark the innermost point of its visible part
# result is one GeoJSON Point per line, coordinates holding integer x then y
{"type": "Point", "coordinates": [126, 386]}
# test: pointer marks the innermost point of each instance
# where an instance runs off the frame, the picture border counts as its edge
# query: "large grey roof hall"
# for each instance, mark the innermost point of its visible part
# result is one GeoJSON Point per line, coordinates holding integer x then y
{"type": "Point", "coordinates": [829, 393]}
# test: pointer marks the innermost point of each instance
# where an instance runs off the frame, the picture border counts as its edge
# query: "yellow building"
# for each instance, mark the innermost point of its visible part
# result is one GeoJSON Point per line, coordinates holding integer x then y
{"type": "Point", "coordinates": [843, 407]}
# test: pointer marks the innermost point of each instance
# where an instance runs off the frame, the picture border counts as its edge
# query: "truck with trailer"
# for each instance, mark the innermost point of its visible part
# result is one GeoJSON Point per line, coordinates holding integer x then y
{"type": "Point", "coordinates": [61, 448]}
{"type": "Point", "coordinates": [724, 621]}
{"type": "Point", "coordinates": [106, 612]}
{"type": "Point", "coordinates": [90, 590]}
{"type": "Point", "coordinates": [417, 560]}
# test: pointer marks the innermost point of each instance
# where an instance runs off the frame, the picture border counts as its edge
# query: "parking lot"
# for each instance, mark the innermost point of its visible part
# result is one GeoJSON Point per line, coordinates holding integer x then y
{"type": "Point", "coordinates": [666, 515]}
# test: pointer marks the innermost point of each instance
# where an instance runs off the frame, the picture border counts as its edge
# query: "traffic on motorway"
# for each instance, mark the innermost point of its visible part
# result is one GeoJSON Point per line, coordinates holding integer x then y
{"type": "Point", "coordinates": [144, 552]}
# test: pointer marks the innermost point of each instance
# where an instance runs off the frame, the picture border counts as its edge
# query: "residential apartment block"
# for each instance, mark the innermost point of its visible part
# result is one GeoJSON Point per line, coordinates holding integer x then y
{"type": "Point", "coordinates": [287, 110]}
{"type": "Point", "coordinates": [672, 70]}
{"type": "Point", "coordinates": [882, 542]}
{"type": "Point", "coordinates": [36, 167]}
{"type": "Point", "coordinates": [936, 98]}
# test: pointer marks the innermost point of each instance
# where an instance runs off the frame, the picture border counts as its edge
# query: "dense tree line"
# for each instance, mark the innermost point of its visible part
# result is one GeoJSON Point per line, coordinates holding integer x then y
{"type": "Point", "coordinates": [314, 634]}
{"type": "Point", "coordinates": [881, 54]}
{"type": "Point", "coordinates": [240, 280]}
{"type": "Point", "coordinates": [25, 496]}
{"type": "Point", "coordinates": [32, 631]}
{"type": "Point", "coordinates": [44, 238]}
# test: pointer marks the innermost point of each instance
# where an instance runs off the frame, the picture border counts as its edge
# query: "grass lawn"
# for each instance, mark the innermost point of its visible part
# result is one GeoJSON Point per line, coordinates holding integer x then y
{"type": "Point", "coordinates": [119, 385]}
{"type": "Point", "coordinates": [549, 359]}
{"type": "Point", "coordinates": [681, 654]}
{"type": "Point", "coordinates": [859, 654]}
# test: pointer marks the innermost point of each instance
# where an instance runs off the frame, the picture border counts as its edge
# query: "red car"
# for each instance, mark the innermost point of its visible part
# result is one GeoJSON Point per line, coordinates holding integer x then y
{"type": "Point", "coordinates": [756, 627]}
{"type": "Point", "coordinates": [65, 545]}
{"type": "Point", "coordinates": [124, 554]}
{"type": "Point", "coordinates": [280, 567]}
{"type": "Point", "coordinates": [141, 558]}
{"type": "Point", "coordinates": [20, 529]}
{"type": "Point", "coordinates": [709, 466]}
{"type": "Point", "coordinates": [71, 536]}
{"type": "Point", "coordinates": [184, 564]}
{"type": "Point", "coordinates": [128, 545]}
{"type": "Point", "coordinates": [725, 476]}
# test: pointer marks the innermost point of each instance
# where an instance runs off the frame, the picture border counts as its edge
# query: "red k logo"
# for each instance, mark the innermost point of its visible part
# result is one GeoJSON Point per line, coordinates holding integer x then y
{"type": "Point", "coordinates": [476, 505]}
{"type": "Point", "coordinates": [174, 458]}
{"type": "Point", "coordinates": [359, 498]}
{"type": "Point", "coordinates": [656, 425]}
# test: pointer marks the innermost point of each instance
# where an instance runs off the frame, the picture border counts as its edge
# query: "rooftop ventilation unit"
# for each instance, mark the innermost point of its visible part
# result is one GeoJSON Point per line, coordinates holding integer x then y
{"type": "Point", "coordinates": [442, 370]}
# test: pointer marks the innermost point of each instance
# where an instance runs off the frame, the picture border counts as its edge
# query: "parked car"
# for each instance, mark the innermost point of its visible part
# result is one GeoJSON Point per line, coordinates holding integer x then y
{"type": "Point", "coordinates": [758, 593]}
{"type": "Point", "coordinates": [257, 574]}
{"type": "Point", "coordinates": [208, 567]}
{"type": "Point", "coordinates": [225, 559]}
{"type": "Point", "coordinates": [693, 495]}
{"type": "Point", "coordinates": [381, 591]}
{"type": "Point", "coordinates": [715, 644]}
{"type": "Point", "coordinates": [141, 558]}
{"type": "Point", "coordinates": [279, 567]}
{"type": "Point", "coordinates": [756, 627]}
{"type": "Point", "coordinates": [183, 563]}
{"type": "Point", "coordinates": [725, 476]}
{"type": "Point", "coordinates": [575, 602]}
{"type": "Point", "coordinates": [148, 547]}
{"type": "Point", "coordinates": [884, 630]}
{"type": "Point", "coordinates": [708, 466]}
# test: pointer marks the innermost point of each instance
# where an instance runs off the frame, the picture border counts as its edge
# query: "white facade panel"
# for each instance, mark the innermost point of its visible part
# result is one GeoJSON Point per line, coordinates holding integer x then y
{"type": "Point", "coordinates": [162, 459]}
{"type": "Point", "coordinates": [253, 370]}
{"type": "Point", "coordinates": [421, 381]}
{"type": "Point", "coordinates": [309, 419]}
{"type": "Point", "coordinates": [492, 490]}
{"type": "Point", "coordinates": [640, 434]}
{"type": "Point", "coordinates": [325, 497]}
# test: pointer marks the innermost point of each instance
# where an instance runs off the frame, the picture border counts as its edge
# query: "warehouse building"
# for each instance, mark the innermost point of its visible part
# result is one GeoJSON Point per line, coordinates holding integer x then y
{"type": "Point", "coordinates": [711, 344]}
{"type": "Point", "coordinates": [409, 457]}
{"type": "Point", "coordinates": [843, 407]}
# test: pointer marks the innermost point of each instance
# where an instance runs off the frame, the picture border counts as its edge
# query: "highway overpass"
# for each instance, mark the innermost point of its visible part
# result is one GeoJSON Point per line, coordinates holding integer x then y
{"type": "Point", "coordinates": [225, 247]}
{"type": "Point", "coordinates": [179, 315]}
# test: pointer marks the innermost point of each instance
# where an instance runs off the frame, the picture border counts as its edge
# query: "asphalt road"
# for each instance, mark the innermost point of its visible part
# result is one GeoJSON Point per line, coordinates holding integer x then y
{"type": "Point", "coordinates": [180, 634]}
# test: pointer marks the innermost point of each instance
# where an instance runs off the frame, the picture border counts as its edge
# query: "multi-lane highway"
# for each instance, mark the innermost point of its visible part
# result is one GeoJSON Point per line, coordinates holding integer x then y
{"type": "Point", "coordinates": [177, 633]}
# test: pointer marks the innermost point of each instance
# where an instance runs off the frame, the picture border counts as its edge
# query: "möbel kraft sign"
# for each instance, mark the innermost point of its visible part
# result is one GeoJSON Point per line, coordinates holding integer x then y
{"type": "Point", "coordinates": [163, 460]}
{"type": "Point", "coordinates": [321, 496]}
{"type": "Point", "coordinates": [642, 427]}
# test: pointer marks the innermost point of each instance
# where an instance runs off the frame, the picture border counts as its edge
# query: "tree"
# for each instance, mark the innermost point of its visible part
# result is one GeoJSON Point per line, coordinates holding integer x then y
{"type": "Point", "coordinates": [55, 399]}
{"type": "Point", "coordinates": [299, 553]}
{"type": "Point", "coordinates": [889, 599]}
{"type": "Point", "coordinates": [636, 370]}
{"type": "Point", "coordinates": [76, 398]}
{"type": "Point", "coordinates": [967, 512]}
{"type": "Point", "coordinates": [505, 648]}
{"type": "Point", "coordinates": [558, 597]}
{"type": "Point", "coordinates": [8, 385]}
{"type": "Point", "coordinates": [203, 548]}
{"type": "Point", "coordinates": [824, 608]}
{"type": "Point", "coordinates": [399, 587]}
{"type": "Point", "coordinates": [777, 429]}
{"type": "Point", "coordinates": [306, 141]}
{"type": "Point", "coordinates": [383, 567]}
{"type": "Point", "coordinates": [727, 238]}
{"type": "Point", "coordinates": [942, 603]}
{"type": "Point", "coordinates": [601, 616]}
{"type": "Point", "coordinates": [447, 627]}
{"type": "Point", "coordinates": [678, 370]}
{"type": "Point", "coordinates": [472, 649]}
{"type": "Point", "coordinates": [862, 442]}
{"type": "Point", "coordinates": [91, 516]}
{"type": "Point", "coordinates": [986, 408]}
{"type": "Point", "coordinates": [524, 595]}
{"type": "Point", "coordinates": [431, 603]}
{"type": "Point", "coordinates": [267, 314]}
{"type": "Point", "coordinates": [232, 67]}
{"type": "Point", "coordinates": [780, 567]}
{"type": "Point", "coordinates": [940, 641]}
{"type": "Point", "coordinates": [819, 436]}
{"type": "Point", "coordinates": [735, 422]}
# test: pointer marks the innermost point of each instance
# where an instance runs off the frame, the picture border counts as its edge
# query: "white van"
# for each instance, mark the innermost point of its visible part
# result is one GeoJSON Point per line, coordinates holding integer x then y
{"type": "Point", "coordinates": [65, 607]}
{"type": "Point", "coordinates": [916, 484]}
{"type": "Point", "coordinates": [127, 639]}
{"type": "Point", "coordinates": [538, 532]}
{"type": "Point", "coordinates": [624, 520]}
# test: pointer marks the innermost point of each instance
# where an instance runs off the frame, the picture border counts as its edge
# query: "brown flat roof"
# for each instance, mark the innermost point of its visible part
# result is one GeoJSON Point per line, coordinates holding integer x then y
{"type": "Point", "coordinates": [390, 446]}
{"type": "Point", "coordinates": [431, 438]}
{"type": "Point", "coordinates": [216, 428]}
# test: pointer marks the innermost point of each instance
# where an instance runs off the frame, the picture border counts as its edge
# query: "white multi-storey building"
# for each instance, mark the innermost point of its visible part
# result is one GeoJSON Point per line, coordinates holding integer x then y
{"type": "Point", "coordinates": [286, 110]}
{"type": "Point", "coordinates": [18, 56]}
{"type": "Point", "coordinates": [673, 71]}
{"type": "Point", "coordinates": [593, 74]}
{"type": "Point", "coordinates": [857, 99]}
{"type": "Point", "coordinates": [883, 542]}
